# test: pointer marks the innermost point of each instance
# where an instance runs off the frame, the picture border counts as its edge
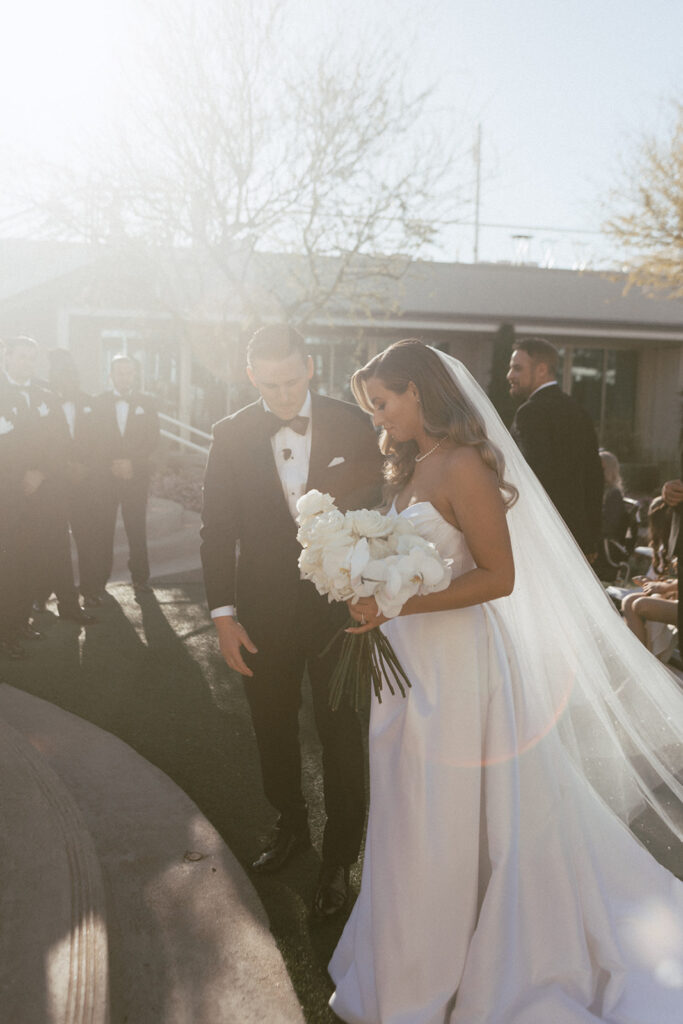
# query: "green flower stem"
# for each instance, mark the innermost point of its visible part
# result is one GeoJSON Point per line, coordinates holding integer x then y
{"type": "Point", "coordinates": [367, 660]}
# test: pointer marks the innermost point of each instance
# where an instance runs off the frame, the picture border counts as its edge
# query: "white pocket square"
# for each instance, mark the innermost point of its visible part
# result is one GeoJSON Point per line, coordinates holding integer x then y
{"type": "Point", "coordinates": [139, 411]}
{"type": "Point", "coordinates": [336, 461]}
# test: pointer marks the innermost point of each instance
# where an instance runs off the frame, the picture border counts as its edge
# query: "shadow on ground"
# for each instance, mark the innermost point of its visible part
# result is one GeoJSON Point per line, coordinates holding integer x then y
{"type": "Point", "coordinates": [150, 673]}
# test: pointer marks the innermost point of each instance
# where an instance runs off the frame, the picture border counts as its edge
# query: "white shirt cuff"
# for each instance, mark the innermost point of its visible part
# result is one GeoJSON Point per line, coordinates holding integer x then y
{"type": "Point", "coordinates": [226, 609]}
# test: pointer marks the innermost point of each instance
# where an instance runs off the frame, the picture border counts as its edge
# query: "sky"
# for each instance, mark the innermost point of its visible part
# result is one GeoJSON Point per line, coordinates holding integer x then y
{"type": "Point", "coordinates": [562, 90]}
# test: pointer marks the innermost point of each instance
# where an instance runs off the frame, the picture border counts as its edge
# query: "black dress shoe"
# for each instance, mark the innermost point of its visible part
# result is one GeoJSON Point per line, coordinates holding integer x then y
{"type": "Point", "coordinates": [92, 600]}
{"type": "Point", "coordinates": [332, 892]}
{"type": "Point", "coordinates": [77, 615]}
{"type": "Point", "coordinates": [280, 848]}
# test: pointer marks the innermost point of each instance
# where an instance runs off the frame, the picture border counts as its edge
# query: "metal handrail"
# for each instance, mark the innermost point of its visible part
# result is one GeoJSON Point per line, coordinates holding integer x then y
{"type": "Point", "coordinates": [185, 426]}
{"type": "Point", "coordinates": [185, 442]}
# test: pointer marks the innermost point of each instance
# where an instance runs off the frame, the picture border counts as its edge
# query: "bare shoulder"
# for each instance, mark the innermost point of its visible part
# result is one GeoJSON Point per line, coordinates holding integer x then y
{"type": "Point", "coordinates": [464, 465]}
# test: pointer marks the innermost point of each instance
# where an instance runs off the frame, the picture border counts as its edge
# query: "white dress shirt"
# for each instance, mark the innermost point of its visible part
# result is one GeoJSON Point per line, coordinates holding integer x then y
{"type": "Point", "coordinates": [70, 413]}
{"type": "Point", "coordinates": [292, 454]}
{"type": "Point", "coordinates": [122, 409]}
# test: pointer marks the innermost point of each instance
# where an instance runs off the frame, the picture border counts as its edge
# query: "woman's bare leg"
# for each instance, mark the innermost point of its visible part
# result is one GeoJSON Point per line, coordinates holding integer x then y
{"type": "Point", "coordinates": [641, 610]}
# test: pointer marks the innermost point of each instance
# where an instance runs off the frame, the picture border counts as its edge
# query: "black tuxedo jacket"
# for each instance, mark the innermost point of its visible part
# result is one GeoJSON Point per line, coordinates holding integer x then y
{"type": "Point", "coordinates": [244, 505]}
{"type": "Point", "coordinates": [139, 440]}
{"type": "Point", "coordinates": [557, 438]}
{"type": "Point", "coordinates": [33, 436]}
{"type": "Point", "coordinates": [42, 434]}
{"type": "Point", "coordinates": [13, 415]}
{"type": "Point", "coordinates": [81, 447]}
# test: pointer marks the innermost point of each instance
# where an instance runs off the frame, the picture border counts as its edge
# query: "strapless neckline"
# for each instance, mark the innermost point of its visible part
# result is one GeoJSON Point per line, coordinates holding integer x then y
{"type": "Point", "coordinates": [427, 504]}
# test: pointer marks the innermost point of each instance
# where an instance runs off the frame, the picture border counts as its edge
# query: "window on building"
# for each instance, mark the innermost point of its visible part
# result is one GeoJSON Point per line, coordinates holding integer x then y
{"type": "Point", "coordinates": [334, 360]}
{"type": "Point", "coordinates": [604, 382]}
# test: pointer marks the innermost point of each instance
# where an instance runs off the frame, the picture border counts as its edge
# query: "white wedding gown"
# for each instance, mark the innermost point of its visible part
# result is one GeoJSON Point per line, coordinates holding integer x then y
{"type": "Point", "coordinates": [497, 886]}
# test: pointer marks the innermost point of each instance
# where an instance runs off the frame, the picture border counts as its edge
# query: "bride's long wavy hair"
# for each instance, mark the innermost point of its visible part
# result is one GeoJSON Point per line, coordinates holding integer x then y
{"type": "Point", "coordinates": [446, 411]}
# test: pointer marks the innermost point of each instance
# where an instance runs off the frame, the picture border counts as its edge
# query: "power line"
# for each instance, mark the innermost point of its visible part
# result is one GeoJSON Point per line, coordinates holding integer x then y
{"type": "Point", "coordinates": [523, 227]}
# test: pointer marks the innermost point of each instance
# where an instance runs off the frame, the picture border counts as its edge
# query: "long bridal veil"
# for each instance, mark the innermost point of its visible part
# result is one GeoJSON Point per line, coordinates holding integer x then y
{"type": "Point", "coordinates": [584, 678]}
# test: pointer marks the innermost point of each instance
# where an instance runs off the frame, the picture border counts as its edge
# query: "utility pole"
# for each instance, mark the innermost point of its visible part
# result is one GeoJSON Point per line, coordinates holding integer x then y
{"type": "Point", "coordinates": [477, 197]}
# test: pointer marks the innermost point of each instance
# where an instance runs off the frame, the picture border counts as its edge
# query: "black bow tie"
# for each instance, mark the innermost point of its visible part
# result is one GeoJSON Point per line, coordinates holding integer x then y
{"type": "Point", "coordinates": [299, 423]}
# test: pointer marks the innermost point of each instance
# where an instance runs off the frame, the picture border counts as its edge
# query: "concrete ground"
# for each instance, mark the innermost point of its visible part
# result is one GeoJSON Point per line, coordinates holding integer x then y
{"type": "Point", "coordinates": [120, 890]}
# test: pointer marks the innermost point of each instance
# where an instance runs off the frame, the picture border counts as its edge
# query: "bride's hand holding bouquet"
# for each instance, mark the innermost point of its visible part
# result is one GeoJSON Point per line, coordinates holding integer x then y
{"type": "Point", "coordinates": [375, 563]}
{"type": "Point", "coordinates": [365, 614]}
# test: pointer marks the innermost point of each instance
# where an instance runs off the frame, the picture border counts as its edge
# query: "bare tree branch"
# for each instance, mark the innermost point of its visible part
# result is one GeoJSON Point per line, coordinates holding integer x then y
{"type": "Point", "coordinates": [241, 146]}
{"type": "Point", "coordinates": [648, 222]}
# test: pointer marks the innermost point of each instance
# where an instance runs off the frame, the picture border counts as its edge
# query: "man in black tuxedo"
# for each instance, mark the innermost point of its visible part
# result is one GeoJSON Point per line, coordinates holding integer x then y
{"type": "Point", "coordinates": [80, 480]}
{"type": "Point", "coordinates": [126, 432]}
{"type": "Point", "coordinates": [271, 624]}
{"type": "Point", "coordinates": [41, 533]}
{"type": "Point", "coordinates": [558, 440]}
{"type": "Point", "coordinates": [15, 591]}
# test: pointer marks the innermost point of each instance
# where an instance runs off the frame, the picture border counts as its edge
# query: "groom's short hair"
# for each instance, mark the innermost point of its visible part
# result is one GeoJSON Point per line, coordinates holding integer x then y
{"type": "Point", "coordinates": [540, 350]}
{"type": "Point", "coordinates": [275, 341]}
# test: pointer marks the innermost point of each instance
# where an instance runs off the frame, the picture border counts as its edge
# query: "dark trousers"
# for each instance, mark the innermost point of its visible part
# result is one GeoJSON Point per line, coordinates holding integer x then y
{"type": "Point", "coordinates": [131, 495]}
{"type": "Point", "coordinates": [83, 509]}
{"type": "Point", "coordinates": [15, 588]}
{"type": "Point", "coordinates": [274, 696]}
{"type": "Point", "coordinates": [43, 536]}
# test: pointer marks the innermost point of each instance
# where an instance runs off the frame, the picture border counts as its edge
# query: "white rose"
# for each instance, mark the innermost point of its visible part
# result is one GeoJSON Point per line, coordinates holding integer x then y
{"type": "Point", "coordinates": [381, 547]}
{"type": "Point", "coordinates": [368, 523]}
{"type": "Point", "coordinates": [313, 503]}
{"type": "Point", "coordinates": [337, 571]}
{"type": "Point", "coordinates": [325, 528]}
{"type": "Point", "coordinates": [310, 562]}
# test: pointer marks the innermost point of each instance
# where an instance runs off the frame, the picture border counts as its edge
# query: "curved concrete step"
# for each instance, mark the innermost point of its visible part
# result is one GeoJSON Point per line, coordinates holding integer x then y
{"type": "Point", "coordinates": [53, 943]}
{"type": "Point", "coordinates": [189, 941]}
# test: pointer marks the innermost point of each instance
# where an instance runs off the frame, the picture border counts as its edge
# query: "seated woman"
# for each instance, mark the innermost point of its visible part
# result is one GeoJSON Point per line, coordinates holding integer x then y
{"type": "Point", "coordinates": [613, 515]}
{"type": "Point", "coordinates": [657, 604]}
{"type": "Point", "coordinates": [659, 516]}
{"type": "Point", "coordinates": [614, 519]}
{"type": "Point", "coordinates": [650, 612]}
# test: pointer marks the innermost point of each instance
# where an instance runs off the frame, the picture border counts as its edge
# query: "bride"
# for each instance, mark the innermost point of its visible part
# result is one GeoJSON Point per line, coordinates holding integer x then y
{"type": "Point", "coordinates": [501, 883]}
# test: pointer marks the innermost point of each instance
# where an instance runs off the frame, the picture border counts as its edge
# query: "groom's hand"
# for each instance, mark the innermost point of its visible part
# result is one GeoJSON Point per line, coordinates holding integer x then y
{"type": "Point", "coordinates": [231, 636]}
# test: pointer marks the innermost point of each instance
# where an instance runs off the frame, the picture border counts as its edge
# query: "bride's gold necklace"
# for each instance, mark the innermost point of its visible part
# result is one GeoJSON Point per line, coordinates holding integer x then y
{"type": "Point", "coordinates": [419, 458]}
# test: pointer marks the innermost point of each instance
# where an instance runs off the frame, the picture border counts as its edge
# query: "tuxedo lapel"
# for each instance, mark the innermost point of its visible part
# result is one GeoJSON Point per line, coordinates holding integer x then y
{"type": "Point", "coordinates": [261, 449]}
{"type": "Point", "coordinates": [133, 404]}
{"type": "Point", "coordinates": [111, 421]}
{"type": "Point", "coordinates": [321, 442]}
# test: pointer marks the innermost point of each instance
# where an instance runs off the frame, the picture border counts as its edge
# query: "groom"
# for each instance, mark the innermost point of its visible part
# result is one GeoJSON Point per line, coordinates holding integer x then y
{"type": "Point", "coordinates": [272, 625]}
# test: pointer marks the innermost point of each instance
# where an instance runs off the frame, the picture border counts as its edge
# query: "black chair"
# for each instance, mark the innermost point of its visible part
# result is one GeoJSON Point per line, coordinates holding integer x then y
{"type": "Point", "coordinates": [616, 554]}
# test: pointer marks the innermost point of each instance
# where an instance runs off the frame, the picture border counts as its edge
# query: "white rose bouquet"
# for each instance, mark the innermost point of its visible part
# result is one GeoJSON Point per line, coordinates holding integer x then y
{"type": "Point", "coordinates": [365, 554]}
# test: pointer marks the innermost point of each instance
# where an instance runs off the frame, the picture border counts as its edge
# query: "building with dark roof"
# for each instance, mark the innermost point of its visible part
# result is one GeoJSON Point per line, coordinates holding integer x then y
{"type": "Point", "coordinates": [622, 350]}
